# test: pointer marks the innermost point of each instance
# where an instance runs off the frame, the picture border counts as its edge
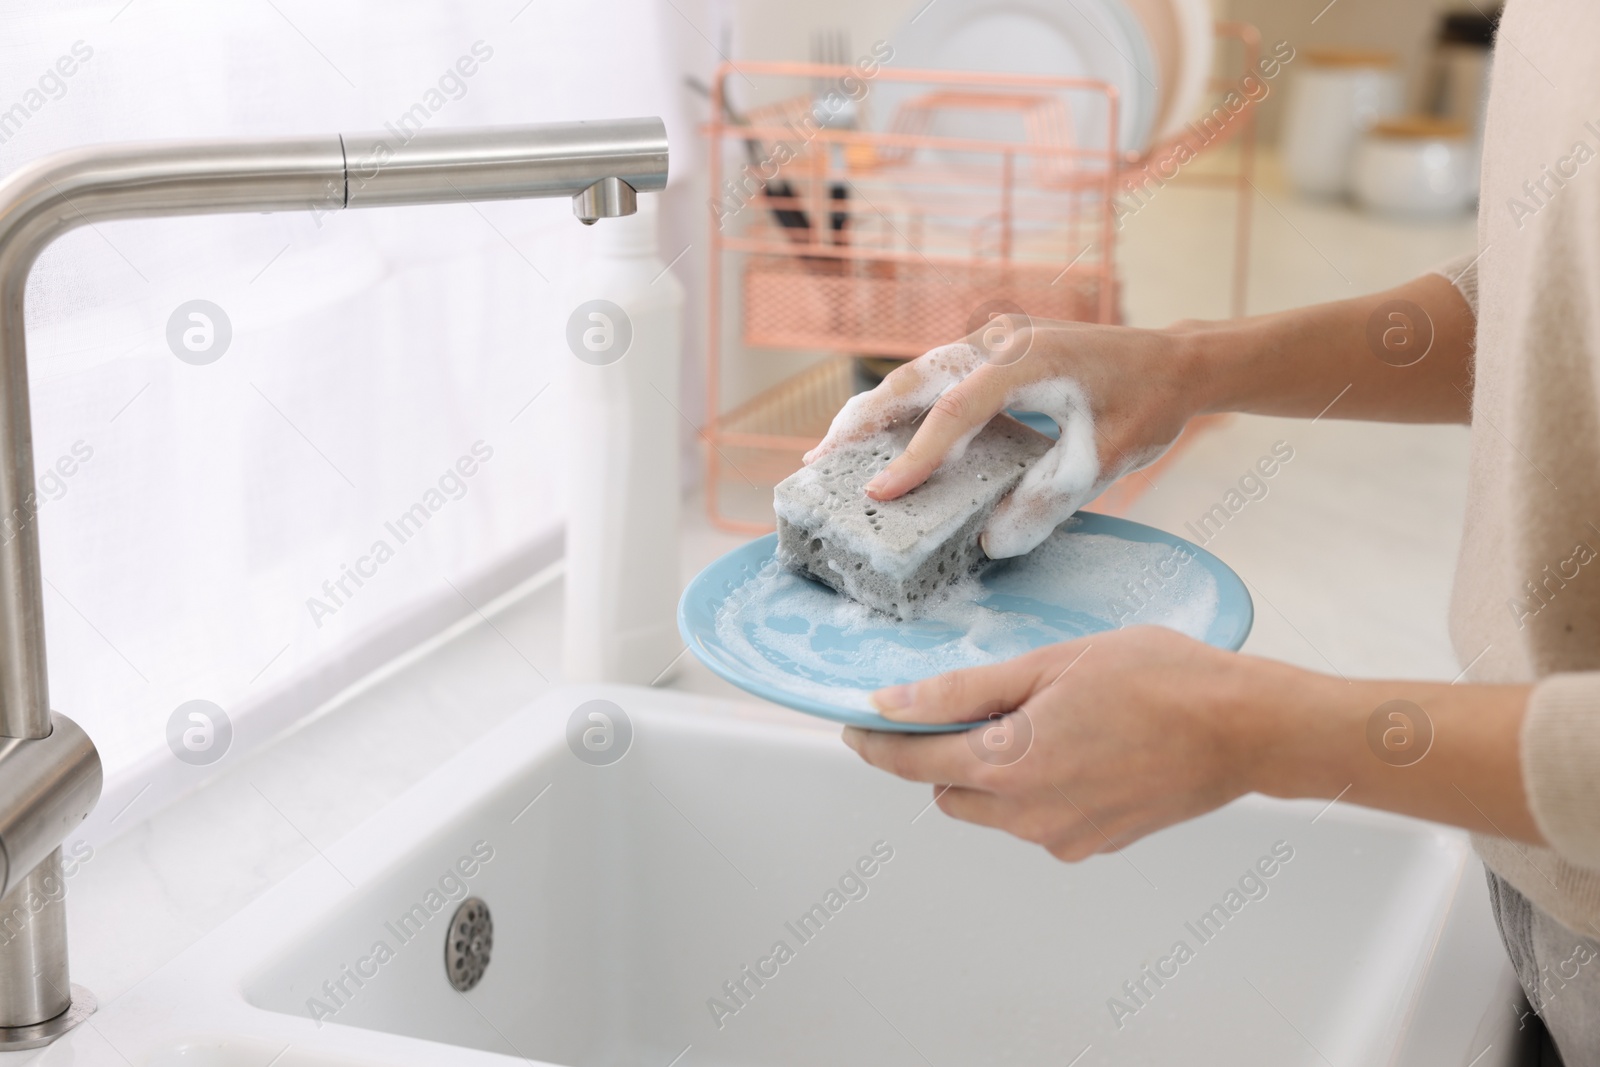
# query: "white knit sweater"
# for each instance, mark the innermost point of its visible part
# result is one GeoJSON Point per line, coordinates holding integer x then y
{"type": "Point", "coordinates": [1526, 606]}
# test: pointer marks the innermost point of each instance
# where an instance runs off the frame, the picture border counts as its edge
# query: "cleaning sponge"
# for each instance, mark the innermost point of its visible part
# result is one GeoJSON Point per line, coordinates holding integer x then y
{"type": "Point", "coordinates": [895, 555]}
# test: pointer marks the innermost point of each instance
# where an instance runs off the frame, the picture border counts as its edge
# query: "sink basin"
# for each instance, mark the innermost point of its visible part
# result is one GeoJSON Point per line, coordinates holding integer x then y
{"type": "Point", "coordinates": [639, 907]}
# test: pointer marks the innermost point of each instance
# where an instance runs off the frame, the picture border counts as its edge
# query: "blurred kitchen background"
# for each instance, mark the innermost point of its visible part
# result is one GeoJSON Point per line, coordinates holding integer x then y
{"type": "Point", "coordinates": [1407, 29]}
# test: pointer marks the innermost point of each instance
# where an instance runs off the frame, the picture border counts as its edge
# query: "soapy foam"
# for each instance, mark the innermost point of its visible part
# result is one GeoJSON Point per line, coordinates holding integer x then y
{"type": "Point", "coordinates": [1061, 481]}
{"type": "Point", "coordinates": [900, 398]}
{"type": "Point", "coordinates": [1127, 583]}
{"type": "Point", "coordinates": [803, 638]}
{"type": "Point", "coordinates": [1064, 478]}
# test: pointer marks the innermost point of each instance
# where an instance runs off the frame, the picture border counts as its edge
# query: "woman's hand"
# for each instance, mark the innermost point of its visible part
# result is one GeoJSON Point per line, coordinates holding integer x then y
{"type": "Point", "coordinates": [1121, 397]}
{"type": "Point", "coordinates": [1097, 742]}
{"type": "Point", "coordinates": [1112, 737]}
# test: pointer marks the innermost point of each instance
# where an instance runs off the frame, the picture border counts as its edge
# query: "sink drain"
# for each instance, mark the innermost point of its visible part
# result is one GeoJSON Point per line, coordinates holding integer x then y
{"type": "Point", "coordinates": [466, 951]}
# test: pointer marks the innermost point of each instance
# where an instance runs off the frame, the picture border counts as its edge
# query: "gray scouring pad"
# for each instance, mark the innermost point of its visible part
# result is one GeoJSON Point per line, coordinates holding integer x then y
{"type": "Point", "coordinates": [894, 555]}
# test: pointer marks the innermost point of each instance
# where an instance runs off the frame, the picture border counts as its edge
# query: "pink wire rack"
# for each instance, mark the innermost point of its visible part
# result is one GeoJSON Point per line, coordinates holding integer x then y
{"type": "Point", "coordinates": [881, 244]}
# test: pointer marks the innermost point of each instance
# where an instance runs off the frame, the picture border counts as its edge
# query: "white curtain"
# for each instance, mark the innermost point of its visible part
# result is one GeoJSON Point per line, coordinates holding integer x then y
{"type": "Point", "coordinates": [200, 521]}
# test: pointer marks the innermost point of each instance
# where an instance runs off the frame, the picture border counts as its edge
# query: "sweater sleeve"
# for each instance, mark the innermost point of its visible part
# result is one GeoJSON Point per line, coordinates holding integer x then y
{"type": "Point", "coordinates": [1462, 272]}
{"type": "Point", "coordinates": [1561, 764]}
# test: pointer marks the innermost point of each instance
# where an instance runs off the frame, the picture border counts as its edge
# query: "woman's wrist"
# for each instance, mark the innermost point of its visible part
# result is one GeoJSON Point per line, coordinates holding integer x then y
{"type": "Point", "coordinates": [1209, 357]}
{"type": "Point", "coordinates": [1292, 732]}
{"type": "Point", "coordinates": [1425, 749]}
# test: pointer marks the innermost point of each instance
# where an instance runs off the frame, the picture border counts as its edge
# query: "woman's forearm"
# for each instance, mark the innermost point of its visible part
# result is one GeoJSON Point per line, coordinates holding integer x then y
{"type": "Point", "coordinates": [1403, 355]}
{"type": "Point", "coordinates": [1448, 753]}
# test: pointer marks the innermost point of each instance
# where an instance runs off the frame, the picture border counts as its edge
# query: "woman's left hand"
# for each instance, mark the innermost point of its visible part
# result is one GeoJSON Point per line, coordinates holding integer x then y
{"type": "Point", "coordinates": [1094, 743]}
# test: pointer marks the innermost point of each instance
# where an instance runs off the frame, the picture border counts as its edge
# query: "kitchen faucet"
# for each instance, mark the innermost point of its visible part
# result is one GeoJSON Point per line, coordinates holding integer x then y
{"type": "Point", "coordinates": [50, 775]}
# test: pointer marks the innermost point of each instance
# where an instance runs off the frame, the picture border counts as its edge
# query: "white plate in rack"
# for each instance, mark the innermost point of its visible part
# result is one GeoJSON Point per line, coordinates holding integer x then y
{"type": "Point", "coordinates": [1197, 31]}
{"type": "Point", "coordinates": [1098, 39]}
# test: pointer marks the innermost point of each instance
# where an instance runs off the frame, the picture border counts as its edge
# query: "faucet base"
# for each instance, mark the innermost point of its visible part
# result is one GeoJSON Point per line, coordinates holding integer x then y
{"type": "Point", "coordinates": [17, 1038]}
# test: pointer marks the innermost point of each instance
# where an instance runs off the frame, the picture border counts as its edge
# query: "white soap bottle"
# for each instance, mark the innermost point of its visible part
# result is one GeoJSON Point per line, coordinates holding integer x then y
{"type": "Point", "coordinates": [624, 490]}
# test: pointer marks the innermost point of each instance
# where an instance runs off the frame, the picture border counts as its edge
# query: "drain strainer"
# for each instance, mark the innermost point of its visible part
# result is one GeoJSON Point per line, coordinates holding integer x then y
{"type": "Point", "coordinates": [466, 951]}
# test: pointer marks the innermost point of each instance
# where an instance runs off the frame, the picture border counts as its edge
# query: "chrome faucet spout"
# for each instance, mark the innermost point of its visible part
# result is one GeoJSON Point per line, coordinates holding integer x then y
{"type": "Point", "coordinates": [601, 166]}
{"type": "Point", "coordinates": [607, 199]}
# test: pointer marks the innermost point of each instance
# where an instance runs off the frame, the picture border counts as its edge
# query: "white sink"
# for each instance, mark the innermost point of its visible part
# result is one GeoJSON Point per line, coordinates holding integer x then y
{"type": "Point", "coordinates": [625, 896]}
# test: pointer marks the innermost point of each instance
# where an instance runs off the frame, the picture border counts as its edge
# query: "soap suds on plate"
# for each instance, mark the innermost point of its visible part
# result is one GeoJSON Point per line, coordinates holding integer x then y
{"type": "Point", "coordinates": [804, 638]}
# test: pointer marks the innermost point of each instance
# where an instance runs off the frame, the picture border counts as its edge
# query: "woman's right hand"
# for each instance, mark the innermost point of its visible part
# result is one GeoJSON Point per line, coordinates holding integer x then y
{"type": "Point", "coordinates": [1121, 397]}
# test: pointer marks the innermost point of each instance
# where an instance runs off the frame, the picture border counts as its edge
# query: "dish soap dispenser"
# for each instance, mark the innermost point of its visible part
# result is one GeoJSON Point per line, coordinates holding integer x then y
{"type": "Point", "coordinates": [625, 337]}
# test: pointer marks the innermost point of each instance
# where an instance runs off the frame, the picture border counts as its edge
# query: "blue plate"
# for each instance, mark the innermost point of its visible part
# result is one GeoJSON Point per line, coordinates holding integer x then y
{"type": "Point", "coordinates": [761, 660]}
{"type": "Point", "coordinates": [1037, 421]}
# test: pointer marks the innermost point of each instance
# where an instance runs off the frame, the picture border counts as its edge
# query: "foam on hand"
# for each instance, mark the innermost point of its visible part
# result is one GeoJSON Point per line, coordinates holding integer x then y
{"type": "Point", "coordinates": [901, 399]}
{"type": "Point", "coordinates": [1064, 478]}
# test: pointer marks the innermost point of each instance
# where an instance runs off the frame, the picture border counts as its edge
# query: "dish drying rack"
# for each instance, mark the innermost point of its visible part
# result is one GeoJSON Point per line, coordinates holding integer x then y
{"type": "Point", "coordinates": [882, 244]}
